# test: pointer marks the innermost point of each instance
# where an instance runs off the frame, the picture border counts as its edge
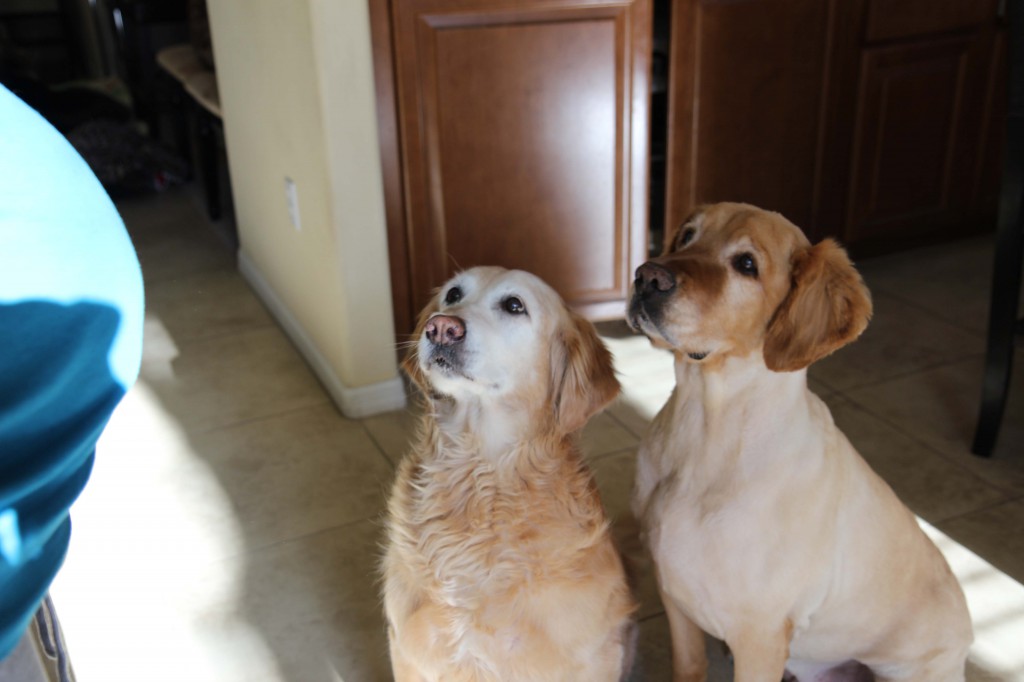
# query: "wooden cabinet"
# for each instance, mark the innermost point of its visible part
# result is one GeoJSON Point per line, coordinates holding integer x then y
{"type": "Point", "coordinates": [516, 132]}
{"type": "Point", "coordinates": [917, 139]}
{"type": "Point", "coordinates": [875, 121]}
{"type": "Point", "coordinates": [519, 139]}
{"type": "Point", "coordinates": [923, 161]}
{"type": "Point", "coordinates": [746, 97]}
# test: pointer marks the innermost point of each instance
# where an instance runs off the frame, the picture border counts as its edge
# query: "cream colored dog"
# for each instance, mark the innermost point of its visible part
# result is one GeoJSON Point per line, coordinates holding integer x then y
{"type": "Point", "coordinates": [499, 561]}
{"type": "Point", "coordinates": [768, 530]}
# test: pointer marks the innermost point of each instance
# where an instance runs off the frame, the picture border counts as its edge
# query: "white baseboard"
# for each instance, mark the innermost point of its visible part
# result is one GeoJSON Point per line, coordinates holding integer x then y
{"type": "Point", "coordinates": [362, 401]}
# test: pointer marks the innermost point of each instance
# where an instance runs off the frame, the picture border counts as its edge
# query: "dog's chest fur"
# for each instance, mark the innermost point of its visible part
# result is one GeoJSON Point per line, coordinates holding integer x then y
{"type": "Point", "coordinates": [704, 491]}
{"type": "Point", "coordinates": [472, 526]}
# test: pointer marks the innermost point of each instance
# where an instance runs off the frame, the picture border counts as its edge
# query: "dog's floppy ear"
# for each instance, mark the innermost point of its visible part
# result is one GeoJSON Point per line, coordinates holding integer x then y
{"type": "Point", "coordinates": [411, 361]}
{"type": "Point", "coordinates": [827, 307]}
{"type": "Point", "coordinates": [583, 376]}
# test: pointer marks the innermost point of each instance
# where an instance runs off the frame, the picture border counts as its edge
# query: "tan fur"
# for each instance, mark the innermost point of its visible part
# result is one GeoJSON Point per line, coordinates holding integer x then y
{"type": "Point", "coordinates": [499, 562]}
{"type": "Point", "coordinates": [827, 307]}
{"type": "Point", "coordinates": [767, 528]}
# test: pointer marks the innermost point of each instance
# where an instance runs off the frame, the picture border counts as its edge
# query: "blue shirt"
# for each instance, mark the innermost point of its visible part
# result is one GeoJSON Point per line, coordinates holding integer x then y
{"type": "Point", "coordinates": [71, 311]}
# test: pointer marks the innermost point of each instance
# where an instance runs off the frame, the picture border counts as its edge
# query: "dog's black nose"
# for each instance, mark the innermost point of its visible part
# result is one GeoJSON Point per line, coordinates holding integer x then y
{"type": "Point", "coordinates": [651, 277]}
{"type": "Point", "coordinates": [445, 330]}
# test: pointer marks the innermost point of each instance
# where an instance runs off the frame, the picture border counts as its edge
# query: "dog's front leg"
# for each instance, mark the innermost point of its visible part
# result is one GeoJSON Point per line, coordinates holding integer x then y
{"type": "Point", "coordinates": [759, 654]}
{"type": "Point", "coordinates": [689, 659]}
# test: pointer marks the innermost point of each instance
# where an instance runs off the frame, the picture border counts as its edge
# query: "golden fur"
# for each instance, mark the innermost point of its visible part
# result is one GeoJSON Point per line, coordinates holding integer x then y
{"type": "Point", "coordinates": [768, 530]}
{"type": "Point", "coordinates": [499, 563]}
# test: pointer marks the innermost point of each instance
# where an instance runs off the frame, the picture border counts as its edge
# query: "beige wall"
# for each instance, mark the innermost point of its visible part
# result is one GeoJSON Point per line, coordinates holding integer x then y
{"type": "Point", "coordinates": [296, 88]}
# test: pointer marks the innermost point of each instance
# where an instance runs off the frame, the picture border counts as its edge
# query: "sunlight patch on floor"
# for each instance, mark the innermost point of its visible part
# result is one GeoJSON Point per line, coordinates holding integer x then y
{"type": "Point", "coordinates": [154, 535]}
{"type": "Point", "coordinates": [646, 373]}
{"type": "Point", "coordinates": [996, 602]}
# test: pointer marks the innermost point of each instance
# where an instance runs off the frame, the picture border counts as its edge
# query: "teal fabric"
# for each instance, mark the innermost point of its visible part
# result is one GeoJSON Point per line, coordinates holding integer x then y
{"type": "Point", "coordinates": [71, 310]}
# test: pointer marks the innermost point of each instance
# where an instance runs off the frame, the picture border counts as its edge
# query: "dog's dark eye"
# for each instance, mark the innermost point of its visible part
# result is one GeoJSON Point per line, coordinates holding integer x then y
{"type": "Point", "coordinates": [745, 264]}
{"type": "Point", "coordinates": [687, 236]}
{"type": "Point", "coordinates": [513, 306]}
{"type": "Point", "coordinates": [453, 296]}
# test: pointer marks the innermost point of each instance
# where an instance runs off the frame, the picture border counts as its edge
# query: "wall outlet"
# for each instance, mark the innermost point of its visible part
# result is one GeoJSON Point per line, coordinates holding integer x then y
{"type": "Point", "coordinates": [291, 194]}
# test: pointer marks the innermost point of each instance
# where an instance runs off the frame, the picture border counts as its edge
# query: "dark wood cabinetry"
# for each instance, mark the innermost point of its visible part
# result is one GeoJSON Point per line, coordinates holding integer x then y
{"type": "Point", "coordinates": [917, 137]}
{"type": "Point", "coordinates": [518, 132]}
{"type": "Point", "coordinates": [922, 160]}
{"type": "Point", "coordinates": [746, 101]}
{"type": "Point", "coordinates": [868, 120]}
{"type": "Point", "coordinates": [523, 133]}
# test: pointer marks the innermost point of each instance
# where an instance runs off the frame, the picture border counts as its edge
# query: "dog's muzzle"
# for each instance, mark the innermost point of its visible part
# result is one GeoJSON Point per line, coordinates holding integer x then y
{"type": "Point", "coordinates": [652, 289]}
{"type": "Point", "coordinates": [445, 334]}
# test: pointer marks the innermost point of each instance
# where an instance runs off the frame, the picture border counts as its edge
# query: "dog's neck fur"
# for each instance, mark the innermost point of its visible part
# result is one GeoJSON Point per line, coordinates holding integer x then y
{"type": "Point", "coordinates": [495, 427]}
{"type": "Point", "coordinates": [721, 385]}
{"type": "Point", "coordinates": [723, 406]}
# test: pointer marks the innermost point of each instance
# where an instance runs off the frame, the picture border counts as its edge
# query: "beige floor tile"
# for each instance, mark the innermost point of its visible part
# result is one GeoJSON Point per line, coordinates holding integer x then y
{"type": "Point", "coordinates": [305, 610]}
{"type": "Point", "coordinates": [206, 304]}
{"type": "Point", "coordinates": [950, 280]}
{"type": "Point", "coordinates": [152, 507]}
{"type": "Point", "coordinates": [996, 603]}
{"type": "Point", "coordinates": [175, 256]}
{"type": "Point", "coordinates": [172, 236]}
{"type": "Point", "coordinates": [939, 407]}
{"type": "Point", "coordinates": [615, 475]}
{"type": "Point", "coordinates": [394, 431]}
{"type": "Point", "coordinates": [315, 603]}
{"type": "Point", "coordinates": [228, 379]}
{"type": "Point", "coordinates": [900, 339]}
{"type": "Point", "coordinates": [296, 473]}
{"type": "Point", "coordinates": [647, 376]}
{"type": "Point", "coordinates": [632, 418]}
{"type": "Point", "coordinates": [604, 435]}
{"type": "Point", "coordinates": [654, 655]}
{"type": "Point", "coordinates": [931, 485]}
{"type": "Point", "coordinates": [996, 533]}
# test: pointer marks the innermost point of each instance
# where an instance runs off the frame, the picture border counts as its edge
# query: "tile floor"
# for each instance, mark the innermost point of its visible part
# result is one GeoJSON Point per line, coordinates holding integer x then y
{"type": "Point", "coordinates": [231, 528]}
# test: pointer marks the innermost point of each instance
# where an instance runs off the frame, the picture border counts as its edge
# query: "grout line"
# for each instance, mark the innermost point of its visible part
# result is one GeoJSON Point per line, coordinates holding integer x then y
{"type": "Point", "coordinates": [931, 313]}
{"type": "Point", "coordinates": [220, 336]}
{"type": "Point", "coordinates": [909, 373]}
{"type": "Point", "coordinates": [988, 507]}
{"type": "Point", "coordinates": [651, 617]}
{"type": "Point", "coordinates": [376, 444]}
{"type": "Point", "coordinates": [622, 424]}
{"type": "Point", "coordinates": [594, 459]}
{"type": "Point", "coordinates": [149, 283]}
{"type": "Point", "coordinates": [951, 459]}
{"type": "Point", "coordinates": [260, 418]}
{"type": "Point", "coordinates": [377, 519]}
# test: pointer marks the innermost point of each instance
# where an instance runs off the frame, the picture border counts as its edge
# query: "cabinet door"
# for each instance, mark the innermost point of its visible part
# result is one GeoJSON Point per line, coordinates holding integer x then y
{"type": "Point", "coordinates": [523, 128]}
{"type": "Point", "coordinates": [917, 139]}
{"type": "Point", "coordinates": [747, 82]}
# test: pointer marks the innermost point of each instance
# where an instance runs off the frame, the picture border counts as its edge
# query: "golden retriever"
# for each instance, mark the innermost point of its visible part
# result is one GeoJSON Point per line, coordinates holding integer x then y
{"type": "Point", "coordinates": [499, 563]}
{"type": "Point", "coordinates": [767, 529]}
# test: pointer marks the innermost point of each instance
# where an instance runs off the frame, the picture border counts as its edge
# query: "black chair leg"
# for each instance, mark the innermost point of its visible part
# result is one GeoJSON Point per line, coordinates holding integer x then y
{"type": "Point", "coordinates": [1006, 275]}
{"type": "Point", "coordinates": [1002, 331]}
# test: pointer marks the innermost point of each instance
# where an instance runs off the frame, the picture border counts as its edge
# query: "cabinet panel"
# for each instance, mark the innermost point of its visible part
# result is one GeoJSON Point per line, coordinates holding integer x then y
{"type": "Point", "coordinates": [916, 138]}
{"type": "Point", "coordinates": [524, 133]}
{"type": "Point", "coordinates": [747, 103]}
{"type": "Point", "coordinates": [889, 19]}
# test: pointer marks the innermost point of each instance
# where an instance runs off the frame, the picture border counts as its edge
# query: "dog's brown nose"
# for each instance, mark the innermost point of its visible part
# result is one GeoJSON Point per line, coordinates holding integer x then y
{"type": "Point", "coordinates": [445, 330]}
{"type": "Point", "coordinates": [651, 277]}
